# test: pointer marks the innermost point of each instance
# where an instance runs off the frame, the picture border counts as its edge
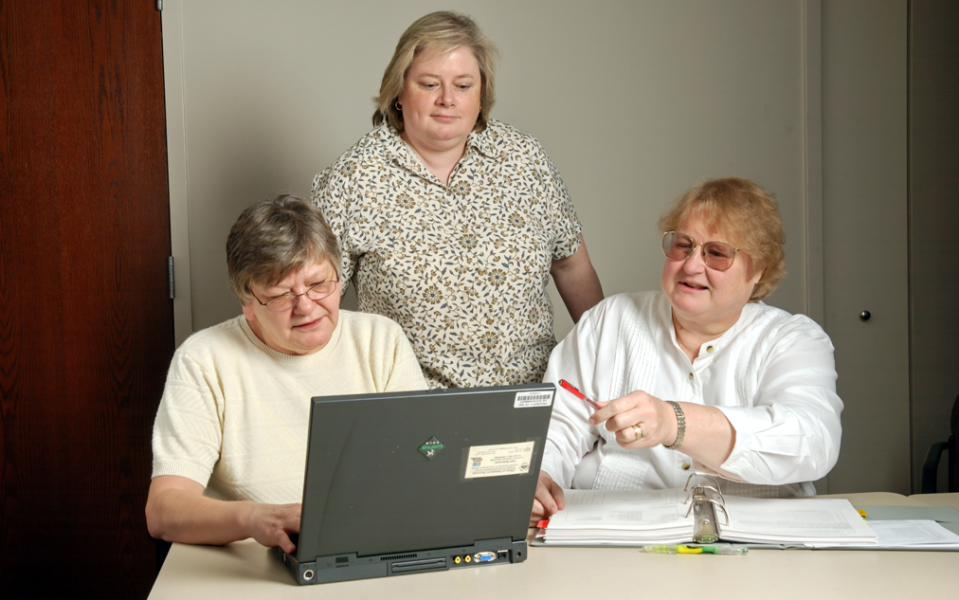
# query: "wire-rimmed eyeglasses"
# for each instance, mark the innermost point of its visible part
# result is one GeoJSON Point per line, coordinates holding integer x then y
{"type": "Point", "coordinates": [289, 300]}
{"type": "Point", "coordinates": [717, 255]}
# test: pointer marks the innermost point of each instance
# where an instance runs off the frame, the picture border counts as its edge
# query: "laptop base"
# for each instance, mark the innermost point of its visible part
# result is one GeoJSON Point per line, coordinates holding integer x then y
{"type": "Point", "coordinates": [346, 567]}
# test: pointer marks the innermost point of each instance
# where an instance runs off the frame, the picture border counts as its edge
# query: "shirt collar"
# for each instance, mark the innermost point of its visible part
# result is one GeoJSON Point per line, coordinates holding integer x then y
{"type": "Point", "coordinates": [396, 150]}
{"type": "Point", "coordinates": [485, 142]}
{"type": "Point", "coordinates": [749, 314]}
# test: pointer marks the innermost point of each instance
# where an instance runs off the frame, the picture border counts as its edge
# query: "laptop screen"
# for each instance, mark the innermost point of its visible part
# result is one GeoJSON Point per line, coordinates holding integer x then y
{"type": "Point", "coordinates": [410, 471]}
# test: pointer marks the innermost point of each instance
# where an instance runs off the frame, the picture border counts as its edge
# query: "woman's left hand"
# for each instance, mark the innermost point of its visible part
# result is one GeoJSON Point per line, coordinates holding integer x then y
{"type": "Point", "coordinates": [655, 418]}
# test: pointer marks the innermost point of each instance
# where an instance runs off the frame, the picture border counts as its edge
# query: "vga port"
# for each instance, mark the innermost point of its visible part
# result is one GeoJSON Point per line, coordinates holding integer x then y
{"type": "Point", "coordinates": [485, 556]}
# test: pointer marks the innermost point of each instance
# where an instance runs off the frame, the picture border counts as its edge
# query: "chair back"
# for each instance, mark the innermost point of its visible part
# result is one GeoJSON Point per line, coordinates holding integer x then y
{"type": "Point", "coordinates": [930, 468]}
{"type": "Point", "coordinates": [953, 444]}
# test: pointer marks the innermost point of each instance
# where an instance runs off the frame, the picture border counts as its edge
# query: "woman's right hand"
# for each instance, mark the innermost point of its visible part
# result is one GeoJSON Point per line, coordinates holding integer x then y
{"type": "Point", "coordinates": [177, 511]}
{"type": "Point", "coordinates": [549, 499]}
{"type": "Point", "coordinates": [272, 524]}
{"type": "Point", "coordinates": [655, 418]}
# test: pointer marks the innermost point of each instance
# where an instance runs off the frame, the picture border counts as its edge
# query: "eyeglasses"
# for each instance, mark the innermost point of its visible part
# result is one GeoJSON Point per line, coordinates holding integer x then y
{"type": "Point", "coordinates": [288, 301]}
{"type": "Point", "coordinates": [716, 255]}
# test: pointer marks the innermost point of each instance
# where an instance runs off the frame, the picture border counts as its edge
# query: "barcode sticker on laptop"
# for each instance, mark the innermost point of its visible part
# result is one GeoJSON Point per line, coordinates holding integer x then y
{"type": "Point", "coordinates": [531, 399]}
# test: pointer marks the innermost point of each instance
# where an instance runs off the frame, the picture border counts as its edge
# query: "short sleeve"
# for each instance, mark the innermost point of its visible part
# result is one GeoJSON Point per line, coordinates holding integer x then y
{"type": "Point", "coordinates": [187, 433]}
{"type": "Point", "coordinates": [564, 224]}
{"type": "Point", "coordinates": [332, 193]}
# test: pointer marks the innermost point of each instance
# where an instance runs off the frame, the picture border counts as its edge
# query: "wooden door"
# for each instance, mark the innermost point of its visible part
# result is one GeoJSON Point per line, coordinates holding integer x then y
{"type": "Point", "coordinates": [86, 326]}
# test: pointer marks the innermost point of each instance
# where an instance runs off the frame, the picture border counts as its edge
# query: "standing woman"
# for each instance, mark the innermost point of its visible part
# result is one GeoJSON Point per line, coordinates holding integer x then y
{"type": "Point", "coordinates": [451, 223]}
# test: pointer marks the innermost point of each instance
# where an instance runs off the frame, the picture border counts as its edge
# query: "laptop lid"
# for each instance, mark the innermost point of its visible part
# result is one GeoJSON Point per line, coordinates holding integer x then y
{"type": "Point", "coordinates": [399, 472]}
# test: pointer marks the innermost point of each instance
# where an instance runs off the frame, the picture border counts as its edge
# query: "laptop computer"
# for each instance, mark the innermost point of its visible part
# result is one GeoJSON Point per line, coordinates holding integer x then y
{"type": "Point", "coordinates": [412, 482]}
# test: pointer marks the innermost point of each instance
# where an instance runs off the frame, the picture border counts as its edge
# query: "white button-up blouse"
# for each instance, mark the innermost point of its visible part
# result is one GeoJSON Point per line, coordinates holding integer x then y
{"type": "Point", "coordinates": [772, 374]}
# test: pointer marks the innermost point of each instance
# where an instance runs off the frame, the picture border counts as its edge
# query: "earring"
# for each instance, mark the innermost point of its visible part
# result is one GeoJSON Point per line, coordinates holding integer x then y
{"type": "Point", "coordinates": [398, 106]}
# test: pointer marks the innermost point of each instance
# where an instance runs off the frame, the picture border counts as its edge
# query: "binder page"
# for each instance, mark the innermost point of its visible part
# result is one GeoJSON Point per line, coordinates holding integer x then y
{"type": "Point", "coordinates": [612, 516]}
{"type": "Point", "coordinates": [616, 509]}
{"type": "Point", "coordinates": [799, 521]}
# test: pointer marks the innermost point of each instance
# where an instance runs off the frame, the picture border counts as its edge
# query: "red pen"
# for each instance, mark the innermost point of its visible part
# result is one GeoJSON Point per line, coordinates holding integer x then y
{"type": "Point", "coordinates": [568, 387]}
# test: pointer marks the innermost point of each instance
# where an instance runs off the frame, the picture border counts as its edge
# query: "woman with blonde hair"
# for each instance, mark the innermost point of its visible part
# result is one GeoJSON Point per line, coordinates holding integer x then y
{"type": "Point", "coordinates": [451, 223]}
{"type": "Point", "coordinates": [702, 376]}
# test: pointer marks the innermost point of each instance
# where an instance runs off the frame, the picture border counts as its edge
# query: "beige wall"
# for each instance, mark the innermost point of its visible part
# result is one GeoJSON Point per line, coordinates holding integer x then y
{"type": "Point", "coordinates": [634, 102]}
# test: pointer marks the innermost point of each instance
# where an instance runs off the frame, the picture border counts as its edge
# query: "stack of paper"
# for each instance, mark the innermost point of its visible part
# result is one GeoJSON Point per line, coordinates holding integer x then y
{"type": "Point", "coordinates": [910, 535]}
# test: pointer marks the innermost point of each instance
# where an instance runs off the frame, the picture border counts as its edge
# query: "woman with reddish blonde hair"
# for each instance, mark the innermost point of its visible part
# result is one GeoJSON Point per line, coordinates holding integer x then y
{"type": "Point", "coordinates": [701, 376]}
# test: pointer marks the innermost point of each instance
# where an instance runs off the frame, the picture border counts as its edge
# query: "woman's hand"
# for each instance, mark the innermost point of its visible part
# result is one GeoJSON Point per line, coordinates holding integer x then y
{"type": "Point", "coordinates": [656, 419]}
{"type": "Point", "coordinates": [549, 499]}
{"type": "Point", "coordinates": [177, 511]}
{"type": "Point", "coordinates": [272, 524]}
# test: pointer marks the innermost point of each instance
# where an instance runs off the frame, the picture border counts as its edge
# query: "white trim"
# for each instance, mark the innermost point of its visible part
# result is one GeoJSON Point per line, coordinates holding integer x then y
{"type": "Point", "coordinates": [177, 167]}
{"type": "Point", "coordinates": [812, 169]}
{"type": "Point", "coordinates": [812, 159]}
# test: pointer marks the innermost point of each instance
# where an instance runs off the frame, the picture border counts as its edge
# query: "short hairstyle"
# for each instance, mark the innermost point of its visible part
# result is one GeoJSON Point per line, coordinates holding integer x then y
{"type": "Point", "coordinates": [748, 215]}
{"type": "Point", "coordinates": [276, 237]}
{"type": "Point", "coordinates": [439, 32]}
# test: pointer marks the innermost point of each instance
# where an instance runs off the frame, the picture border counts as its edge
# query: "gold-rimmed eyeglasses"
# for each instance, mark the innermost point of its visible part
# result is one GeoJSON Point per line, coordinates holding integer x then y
{"type": "Point", "coordinates": [287, 301]}
{"type": "Point", "coordinates": [717, 255]}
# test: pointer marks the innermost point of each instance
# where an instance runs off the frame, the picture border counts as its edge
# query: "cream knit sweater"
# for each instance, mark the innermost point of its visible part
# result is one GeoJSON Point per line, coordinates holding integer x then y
{"type": "Point", "coordinates": [234, 413]}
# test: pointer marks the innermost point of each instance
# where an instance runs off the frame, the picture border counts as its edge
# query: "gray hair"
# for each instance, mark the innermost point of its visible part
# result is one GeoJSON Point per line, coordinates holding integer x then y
{"type": "Point", "coordinates": [276, 237]}
{"type": "Point", "coordinates": [441, 32]}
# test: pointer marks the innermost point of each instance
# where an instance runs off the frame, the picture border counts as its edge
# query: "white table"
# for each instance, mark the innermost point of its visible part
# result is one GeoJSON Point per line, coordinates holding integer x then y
{"type": "Point", "coordinates": [248, 570]}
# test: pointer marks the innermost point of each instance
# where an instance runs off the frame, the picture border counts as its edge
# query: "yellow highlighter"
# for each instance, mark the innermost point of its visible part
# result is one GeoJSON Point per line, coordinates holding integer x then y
{"type": "Point", "coordinates": [695, 549]}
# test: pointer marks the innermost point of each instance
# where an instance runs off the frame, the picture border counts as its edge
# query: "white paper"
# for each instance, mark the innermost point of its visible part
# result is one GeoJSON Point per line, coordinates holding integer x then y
{"type": "Point", "coordinates": [608, 509]}
{"type": "Point", "coordinates": [795, 520]}
{"type": "Point", "coordinates": [910, 535]}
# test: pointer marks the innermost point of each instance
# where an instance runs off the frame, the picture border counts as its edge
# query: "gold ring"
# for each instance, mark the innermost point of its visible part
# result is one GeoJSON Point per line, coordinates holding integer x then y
{"type": "Point", "coordinates": [638, 431]}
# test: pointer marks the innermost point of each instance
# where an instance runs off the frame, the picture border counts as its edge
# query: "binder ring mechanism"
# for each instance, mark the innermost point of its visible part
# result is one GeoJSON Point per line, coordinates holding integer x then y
{"type": "Point", "coordinates": [706, 499]}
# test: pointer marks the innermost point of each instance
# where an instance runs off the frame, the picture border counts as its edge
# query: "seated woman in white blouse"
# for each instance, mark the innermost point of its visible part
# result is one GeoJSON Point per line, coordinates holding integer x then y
{"type": "Point", "coordinates": [702, 376]}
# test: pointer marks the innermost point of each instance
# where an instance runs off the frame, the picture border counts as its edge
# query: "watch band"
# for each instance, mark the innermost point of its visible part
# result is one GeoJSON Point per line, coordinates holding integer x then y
{"type": "Point", "coordinates": [680, 426]}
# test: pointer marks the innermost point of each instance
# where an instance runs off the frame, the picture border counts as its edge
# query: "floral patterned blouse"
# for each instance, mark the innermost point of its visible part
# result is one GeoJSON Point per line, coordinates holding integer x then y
{"type": "Point", "coordinates": [462, 267]}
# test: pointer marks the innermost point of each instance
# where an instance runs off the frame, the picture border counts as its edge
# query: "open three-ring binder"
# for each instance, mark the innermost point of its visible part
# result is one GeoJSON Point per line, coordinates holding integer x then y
{"type": "Point", "coordinates": [700, 513]}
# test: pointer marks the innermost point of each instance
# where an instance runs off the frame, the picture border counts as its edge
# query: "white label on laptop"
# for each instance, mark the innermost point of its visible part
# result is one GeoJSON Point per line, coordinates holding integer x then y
{"type": "Point", "coordinates": [531, 399]}
{"type": "Point", "coordinates": [499, 460]}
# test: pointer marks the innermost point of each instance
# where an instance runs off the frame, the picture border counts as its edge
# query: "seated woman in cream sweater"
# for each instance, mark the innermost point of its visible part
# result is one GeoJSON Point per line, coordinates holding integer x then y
{"type": "Point", "coordinates": [229, 442]}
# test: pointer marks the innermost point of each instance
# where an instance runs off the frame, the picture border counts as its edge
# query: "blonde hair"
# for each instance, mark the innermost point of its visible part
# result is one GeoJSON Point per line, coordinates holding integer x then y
{"type": "Point", "coordinates": [275, 237]}
{"type": "Point", "coordinates": [439, 32]}
{"type": "Point", "coordinates": [744, 211]}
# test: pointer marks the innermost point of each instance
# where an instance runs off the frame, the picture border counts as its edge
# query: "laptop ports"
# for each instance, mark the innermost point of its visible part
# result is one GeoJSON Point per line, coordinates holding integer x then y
{"type": "Point", "coordinates": [483, 557]}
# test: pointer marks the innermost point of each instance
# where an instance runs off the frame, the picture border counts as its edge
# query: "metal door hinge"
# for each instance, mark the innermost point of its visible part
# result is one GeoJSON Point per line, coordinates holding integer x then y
{"type": "Point", "coordinates": [169, 272]}
{"type": "Point", "coordinates": [159, 4]}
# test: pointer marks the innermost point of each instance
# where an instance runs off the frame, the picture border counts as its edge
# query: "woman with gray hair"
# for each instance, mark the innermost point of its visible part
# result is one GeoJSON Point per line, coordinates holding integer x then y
{"type": "Point", "coordinates": [450, 222]}
{"type": "Point", "coordinates": [701, 376]}
{"type": "Point", "coordinates": [229, 441]}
